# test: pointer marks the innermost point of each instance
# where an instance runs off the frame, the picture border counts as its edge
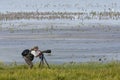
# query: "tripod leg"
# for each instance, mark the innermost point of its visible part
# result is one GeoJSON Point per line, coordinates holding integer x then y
{"type": "Point", "coordinates": [40, 64]}
{"type": "Point", "coordinates": [41, 61]}
{"type": "Point", "coordinates": [46, 62]}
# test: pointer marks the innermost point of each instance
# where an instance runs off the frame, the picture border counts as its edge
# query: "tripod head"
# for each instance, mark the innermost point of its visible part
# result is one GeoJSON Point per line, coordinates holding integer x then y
{"type": "Point", "coordinates": [42, 55]}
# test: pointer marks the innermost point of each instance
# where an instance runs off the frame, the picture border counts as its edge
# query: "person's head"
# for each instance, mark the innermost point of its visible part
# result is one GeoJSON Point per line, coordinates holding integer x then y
{"type": "Point", "coordinates": [35, 48]}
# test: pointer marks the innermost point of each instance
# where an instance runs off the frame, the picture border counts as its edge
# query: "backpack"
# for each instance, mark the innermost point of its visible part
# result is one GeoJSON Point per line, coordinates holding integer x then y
{"type": "Point", "coordinates": [26, 53]}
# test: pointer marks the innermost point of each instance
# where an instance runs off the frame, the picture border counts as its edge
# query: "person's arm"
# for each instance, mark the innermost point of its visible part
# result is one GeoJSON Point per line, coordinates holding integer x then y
{"type": "Point", "coordinates": [38, 53]}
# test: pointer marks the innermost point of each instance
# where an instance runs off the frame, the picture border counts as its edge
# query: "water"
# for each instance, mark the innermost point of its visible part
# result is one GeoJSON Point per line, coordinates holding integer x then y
{"type": "Point", "coordinates": [68, 44]}
{"type": "Point", "coordinates": [69, 40]}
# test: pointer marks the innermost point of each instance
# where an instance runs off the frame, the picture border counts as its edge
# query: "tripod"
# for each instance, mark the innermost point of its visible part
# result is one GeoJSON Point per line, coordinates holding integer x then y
{"type": "Point", "coordinates": [43, 59]}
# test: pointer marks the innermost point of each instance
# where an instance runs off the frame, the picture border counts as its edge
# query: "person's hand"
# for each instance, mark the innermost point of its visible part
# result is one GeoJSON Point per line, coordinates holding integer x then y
{"type": "Point", "coordinates": [39, 52]}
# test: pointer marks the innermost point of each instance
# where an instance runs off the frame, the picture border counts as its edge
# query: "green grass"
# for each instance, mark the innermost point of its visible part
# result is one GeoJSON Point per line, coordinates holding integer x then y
{"type": "Point", "coordinates": [83, 71]}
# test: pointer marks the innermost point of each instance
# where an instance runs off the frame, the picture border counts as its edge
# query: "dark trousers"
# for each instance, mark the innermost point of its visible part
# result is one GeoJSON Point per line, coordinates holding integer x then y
{"type": "Point", "coordinates": [28, 61]}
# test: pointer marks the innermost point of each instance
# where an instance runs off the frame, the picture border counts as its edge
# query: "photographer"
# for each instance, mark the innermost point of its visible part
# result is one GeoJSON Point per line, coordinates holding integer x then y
{"type": "Point", "coordinates": [29, 55]}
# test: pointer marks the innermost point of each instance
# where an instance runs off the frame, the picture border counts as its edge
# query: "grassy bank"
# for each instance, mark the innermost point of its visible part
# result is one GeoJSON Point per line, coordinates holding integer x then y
{"type": "Point", "coordinates": [85, 71]}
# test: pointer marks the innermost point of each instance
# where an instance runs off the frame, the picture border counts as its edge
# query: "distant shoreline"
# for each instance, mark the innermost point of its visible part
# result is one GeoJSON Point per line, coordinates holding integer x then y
{"type": "Point", "coordinates": [105, 15]}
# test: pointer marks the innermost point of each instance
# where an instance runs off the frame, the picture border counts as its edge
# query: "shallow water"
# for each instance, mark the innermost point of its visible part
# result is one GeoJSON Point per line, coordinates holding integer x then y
{"type": "Point", "coordinates": [68, 44]}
